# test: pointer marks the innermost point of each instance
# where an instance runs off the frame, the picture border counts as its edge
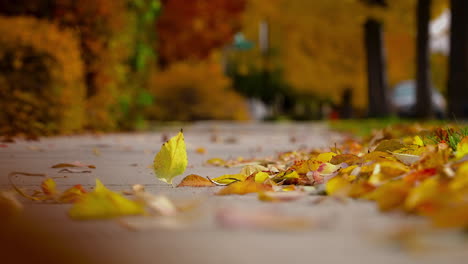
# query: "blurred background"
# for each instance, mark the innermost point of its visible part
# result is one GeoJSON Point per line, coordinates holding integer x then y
{"type": "Point", "coordinates": [104, 65]}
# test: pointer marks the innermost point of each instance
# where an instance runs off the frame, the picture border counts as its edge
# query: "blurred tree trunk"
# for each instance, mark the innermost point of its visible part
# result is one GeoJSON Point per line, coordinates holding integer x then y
{"type": "Point", "coordinates": [458, 62]}
{"type": "Point", "coordinates": [424, 108]}
{"type": "Point", "coordinates": [376, 72]}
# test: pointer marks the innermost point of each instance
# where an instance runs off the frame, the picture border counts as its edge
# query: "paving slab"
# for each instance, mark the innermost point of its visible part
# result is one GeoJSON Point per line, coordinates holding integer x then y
{"type": "Point", "coordinates": [342, 231]}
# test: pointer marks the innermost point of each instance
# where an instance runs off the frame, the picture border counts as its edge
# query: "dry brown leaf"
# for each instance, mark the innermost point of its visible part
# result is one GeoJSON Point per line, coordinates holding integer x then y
{"type": "Point", "coordinates": [194, 180]}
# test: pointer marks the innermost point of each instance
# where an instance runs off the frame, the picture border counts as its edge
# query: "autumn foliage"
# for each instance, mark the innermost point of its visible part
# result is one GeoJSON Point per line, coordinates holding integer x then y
{"type": "Point", "coordinates": [191, 29]}
{"type": "Point", "coordinates": [41, 78]}
{"type": "Point", "coordinates": [105, 44]}
{"type": "Point", "coordinates": [195, 91]}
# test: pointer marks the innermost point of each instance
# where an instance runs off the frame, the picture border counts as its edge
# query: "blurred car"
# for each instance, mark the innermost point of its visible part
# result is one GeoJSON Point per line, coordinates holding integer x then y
{"type": "Point", "coordinates": [403, 99]}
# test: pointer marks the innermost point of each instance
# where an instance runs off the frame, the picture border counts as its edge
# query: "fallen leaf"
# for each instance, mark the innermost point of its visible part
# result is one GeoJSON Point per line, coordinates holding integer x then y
{"type": "Point", "coordinates": [72, 165]}
{"type": "Point", "coordinates": [426, 196]}
{"type": "Point", "coordinates": [229, 178]}
{"type": "Point", "coordinates": [337, 186]}
{"type": "Point", "coordinates": [74, 170]}
{"type": "Point", "coordinates": [103, 203]}
{"type": "Point", "coordinates": [391, 195]}
{"type": "Point", "coordinates": [418, 141]}
{"type": "Point", "coordinates": [261, 176]}
{"type": "Point", "coordinates": [460, 181]}
{"type": "Point", "coordinates": [462, 148]}
{"type": "Point", "coordinates": [216, 162]}
{"type": "Point", "coordinates": [244, 187]}
{"type": "Point", "coordinates": [344, 158]}
{"type": "Point", "coordinates": [325, 157]}
{"type": "Point", "coordinates": [171, 160]}
{"type": "Point", "coordinates": [251, 169]}
{"type": "Point", "coordinates": [200, 150]}
{"type": "Point", "coordinates": [419, 175]}
{"type": "Point", "coordinates": [389, 145]}
{"type": "Point", "coordinates": [407, 159]}
{"type": "Point", "coordinates": [49, 187]}
{"type": "Point", "coordinates": [194, 180]}
{"type": "Point", "coordinates": [72, 195]}
{"type": "Point", "coordinates": [291, 175]}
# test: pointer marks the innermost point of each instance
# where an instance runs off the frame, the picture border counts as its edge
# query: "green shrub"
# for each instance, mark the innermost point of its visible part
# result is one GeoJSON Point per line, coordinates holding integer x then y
{"type": "Point", "coordinates": [41, 78]}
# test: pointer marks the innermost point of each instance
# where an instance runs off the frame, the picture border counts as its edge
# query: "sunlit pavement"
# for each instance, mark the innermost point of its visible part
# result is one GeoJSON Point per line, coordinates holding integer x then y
{"type": "Point", "coordinates": [343, 231]}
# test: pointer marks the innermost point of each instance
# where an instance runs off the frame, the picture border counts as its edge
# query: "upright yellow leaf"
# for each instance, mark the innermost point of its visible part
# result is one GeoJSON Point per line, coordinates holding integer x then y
{"type": "Point", "coordinates": [171, 159]}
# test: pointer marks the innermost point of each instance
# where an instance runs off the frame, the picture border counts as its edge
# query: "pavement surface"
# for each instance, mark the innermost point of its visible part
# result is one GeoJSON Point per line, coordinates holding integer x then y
{"type": "Point", "coordinates": [338, 231]}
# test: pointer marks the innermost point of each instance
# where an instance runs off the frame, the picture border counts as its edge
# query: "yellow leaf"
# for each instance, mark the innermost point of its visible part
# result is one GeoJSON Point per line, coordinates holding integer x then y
{"type": "Point", "coordinates": [230, 178]}
{"type": "Point", "coordinates": [418, 141]}
{"type": "Point", "coordinates": [291, 175]}
{"type": "Point", "coordinates": [72, 195]}
{"type": "Point", "coordinates": [462, 148]}
{"type": "Point", "coordinates": [337, 186]}
{"type": "Point", "coordinates": [171, 159]}
{"type": "Point", "coordinates": [216, 162]}
{"type": "Point", "coordinates": [49, 187]}
{"type": "Point", "coordinates": [103, 203]}
{"type": "Point", "coordinates": [260, 177]}
{"type": "Point", "coordinates": [427, 193]}
{"type": "Point", "coordinates": [325, 157]}
{"type": "Point", "coordinates": [200, 150]}
{"type": "Point", "coordinates": [390, 195]}
{"type": "Point", "coordinates": [244, 187]}
{"type": "Point", "coordinates": [460, 181]}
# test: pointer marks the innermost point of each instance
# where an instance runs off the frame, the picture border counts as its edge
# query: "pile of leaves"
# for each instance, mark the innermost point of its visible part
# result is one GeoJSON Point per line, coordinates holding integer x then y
{"type": "Point", "coordinates": [415, 170]}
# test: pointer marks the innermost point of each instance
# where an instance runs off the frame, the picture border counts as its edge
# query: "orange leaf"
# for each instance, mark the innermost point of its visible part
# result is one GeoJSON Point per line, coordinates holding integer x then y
{"type": "Point", "coordinates": [49, 187]}
{"type": "Point", "coordinates": [194, 180]}
{"type": "Point", "coordinates": [72, 165]}
{"type": "Point", "coordinates": [72, 194]}
{"type": "Point", "coordinates": [420, 175]}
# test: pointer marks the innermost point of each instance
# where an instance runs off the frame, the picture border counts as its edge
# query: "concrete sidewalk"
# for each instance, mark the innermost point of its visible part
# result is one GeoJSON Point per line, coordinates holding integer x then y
{"type": "Point", "coordinates": [345, 232]}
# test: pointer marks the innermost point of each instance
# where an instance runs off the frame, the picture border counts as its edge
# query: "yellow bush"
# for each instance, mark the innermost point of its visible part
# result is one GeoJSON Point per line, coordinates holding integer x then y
{"type": "Point", "coordinates": [195, 91]}
{"type": "Point", "coordinates": [41, 78]}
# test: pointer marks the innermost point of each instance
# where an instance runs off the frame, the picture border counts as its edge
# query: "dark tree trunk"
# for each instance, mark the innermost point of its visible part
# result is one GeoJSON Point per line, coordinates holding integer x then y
{"type": "Point", "coordinates": [376, 72]}
{"type": "Point", "coordinates": [458, 62]}
{"type": "Point", "coordinates": [424, 107]}
{"type": "Point", "coordinates": [346, 107]}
